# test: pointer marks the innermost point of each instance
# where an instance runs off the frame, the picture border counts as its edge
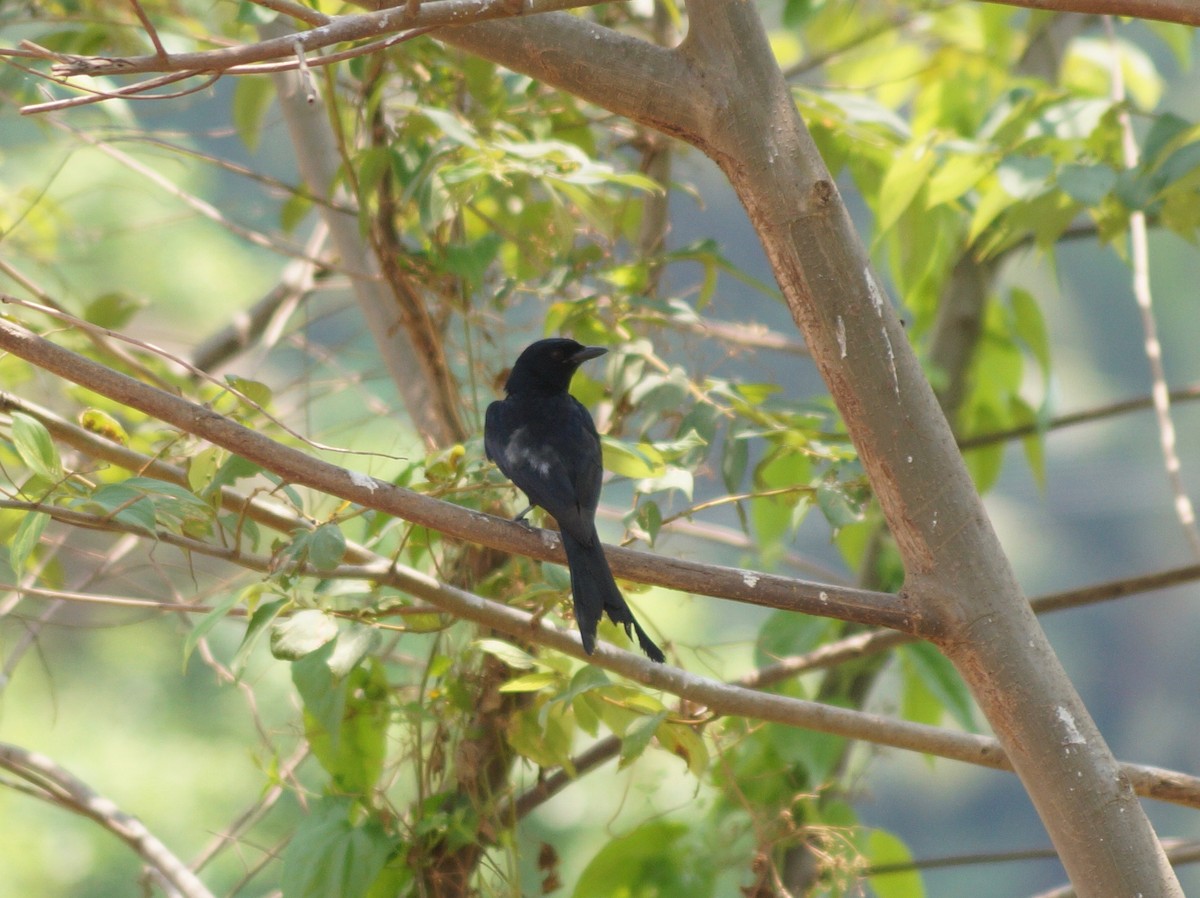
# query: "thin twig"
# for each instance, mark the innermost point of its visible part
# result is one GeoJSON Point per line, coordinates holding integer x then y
{"type": "Point", "coordinates": [338, 30]}
{"type": "Point", "coordinates": [187, 366]}
{"type": "Point", "coordinates": [295, 10]}
{"type": "Point", "coordinates": [1183, 394]}
{"type": "Point", "coordinates": [1183, 12]}
{"type": "Point", "coordinates": [1139, 242]}
{"type": "Point", "coordinates": [874, 642]}
{"type": "Point", "coordinates": [269, 313]}
{"type": "Point", "coordinates": [151, 31]}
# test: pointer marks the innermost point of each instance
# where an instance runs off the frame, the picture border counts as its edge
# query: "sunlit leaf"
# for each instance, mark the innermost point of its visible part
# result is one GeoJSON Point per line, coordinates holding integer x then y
{"type": "Point", "coordinates": [534, 682]}
{"type": "Point", "coordinates": [36, 447]}
{"type": "Point", "coordinates": [302, 633]}
{"type": "Point", "coordinates": [508, 653]}
{"type": "Point", "coordinates": [25, 540]}
{"type": "Point", "coordinates": [908, 174]}
{"type": "Point", "coordinates": [104, 424]}
{"type": "Point", "coordinates": [882, 849]}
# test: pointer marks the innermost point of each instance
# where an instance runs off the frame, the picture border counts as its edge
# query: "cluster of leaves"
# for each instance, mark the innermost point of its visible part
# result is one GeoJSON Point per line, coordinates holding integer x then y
{"type": "Point", "coordinates": [965, 153]}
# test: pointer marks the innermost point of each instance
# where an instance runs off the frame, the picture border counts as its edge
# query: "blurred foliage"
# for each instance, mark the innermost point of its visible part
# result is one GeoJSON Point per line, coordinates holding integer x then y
{"type": "Point", "coordinates": [509, 203]}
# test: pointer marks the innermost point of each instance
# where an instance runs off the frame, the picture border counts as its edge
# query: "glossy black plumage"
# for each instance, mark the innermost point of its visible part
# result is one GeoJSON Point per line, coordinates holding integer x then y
{"type": "Point", "coordinates": [545, 442]}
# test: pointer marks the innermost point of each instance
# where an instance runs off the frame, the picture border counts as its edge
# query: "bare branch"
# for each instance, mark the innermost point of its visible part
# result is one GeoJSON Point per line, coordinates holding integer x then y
{"type": "Point", "coordinates": [295, 10]}
{"type": "Point", "coordinates": [874, 642]}
{"type": "Point", "coordinates": [1183, 12]}
{"type": "Point", "coordinates": [1141, 403]}
{"type": "Point", "coordinates": [1139, 247]}
{"type": "Point", "coordinates": [270, 312]}
{"type": "Point", "coordinates": [151, 31]}
{"type": "Point", "coordinates": [338, 30]}
{"type": "Point", "coordinates": [55, 785]}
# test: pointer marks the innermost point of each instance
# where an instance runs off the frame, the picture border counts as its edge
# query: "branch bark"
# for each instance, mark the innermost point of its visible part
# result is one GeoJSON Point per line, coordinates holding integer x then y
{"type": "Point", "coordinates": [1183, 12]}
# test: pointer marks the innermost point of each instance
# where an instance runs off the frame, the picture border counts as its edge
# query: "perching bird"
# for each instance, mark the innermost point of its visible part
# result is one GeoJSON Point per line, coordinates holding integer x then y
{"type": "Point", "coordinates": [545, 442]}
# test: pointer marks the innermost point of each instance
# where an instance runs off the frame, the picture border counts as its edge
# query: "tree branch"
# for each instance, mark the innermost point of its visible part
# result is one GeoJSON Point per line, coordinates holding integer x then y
{"type": "Point", "coordinates": [767, 590]}
{"type": "Point", "coordinates": [338, 30]}
{"type": "Point", "coordinates": [58, 787]}
{"type": "Point", "coordinates": [1183, 12]}
{"type": "Point", "coordinates": [728, 699]}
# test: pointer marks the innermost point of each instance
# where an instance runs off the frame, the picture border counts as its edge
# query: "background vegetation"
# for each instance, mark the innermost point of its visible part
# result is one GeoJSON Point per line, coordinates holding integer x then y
{"type": "Point", "coordinates": [296, 687]}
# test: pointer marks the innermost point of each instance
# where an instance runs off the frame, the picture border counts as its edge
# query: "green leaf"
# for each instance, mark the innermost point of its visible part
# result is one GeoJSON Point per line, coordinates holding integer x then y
{"type": "Point", "coordinates": [203, 626]}
{"type": "Point", "coordinates": [104, 424]}
{"type": "Point", "coordinates": [233, 469]}
{"type": "Point", "coordinates": [257, 392]}
{"type": "Point", "coordinates": [649, 518]}
{"type": "Point", "coordinates": [544, 737]}
{"type": "Point", "coordinates": [252, 98]}
{"type": "Point", "coordinates": [777, 515]}
{"type": "Point", "coordinates": [585, 680]}
{"type": "Point", "coordinates": [907, 175]}
{"type": "Point", "coordinates": [882, 848]}
{"type": "Point", "coordinates": [348, 729]}
{"type": "Point", "coordinates": [36, 448]}
{"type": "Point", "coordinates": [450, 125]}
{"type": "Point", "coordinates": [329, 855]}
{"type": "Point", "coordinates": [112, 310]}
{"type": "Point", "coordinates": [508, 653]}
{"type": "Point", "coordinates": [684, 742]}
{"type": "Point", "coordinates": [129, 506]}
{"type": "Point", "coordinates": [938, 675]}
{"type": "Point", "coordinates": [1030, 327]}
{"type": "Point", "coordinates": [354, 642]}
{"type": "Point", "coordinates": [957, 174]}
{"type": "Point", "coordinates": [644, 862]}
{"type": "Point", "coordinates": [327, 547]}
{"type": "Point", "coordinates": [301, 634]}
{"type": "Point", "coordinates": [734, 458]}
{"type": "Point", "coordinates": [25, 540]}
{"type": "Point", "coordinates": [634, 462]}
{"type": "Point", "coordinates": [470, 261]}
{"type": "Point", "coordinates": [839, 509]}
{"type": "Point", "coordinates": [262, 618]}
{"type": "Point", "coordinates": [787, 633]}
{"type": "Point", "coordinates": [637, 737]}
{"type": "Point", "coordinates": [1087, 184]}
{"type": "Point", "coordinates": [534, 682]}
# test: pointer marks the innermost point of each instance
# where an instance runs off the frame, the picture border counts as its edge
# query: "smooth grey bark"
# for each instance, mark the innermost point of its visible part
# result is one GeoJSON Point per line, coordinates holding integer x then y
{"type": "Point", "coordinates": [722, 92]}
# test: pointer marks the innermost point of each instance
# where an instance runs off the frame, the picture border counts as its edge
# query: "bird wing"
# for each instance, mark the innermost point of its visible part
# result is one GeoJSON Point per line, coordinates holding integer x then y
{"type": "Point", "coordinates": [552, 452]}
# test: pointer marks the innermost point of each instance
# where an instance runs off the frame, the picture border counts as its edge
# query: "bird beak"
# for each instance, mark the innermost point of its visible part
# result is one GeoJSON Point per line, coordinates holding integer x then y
{"type": "Point", "coordinates": [588, 352]}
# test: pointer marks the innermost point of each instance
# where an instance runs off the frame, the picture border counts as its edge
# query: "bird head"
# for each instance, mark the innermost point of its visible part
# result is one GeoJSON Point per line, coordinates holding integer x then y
{"type": "Point", "coordinates": [547, 366]}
